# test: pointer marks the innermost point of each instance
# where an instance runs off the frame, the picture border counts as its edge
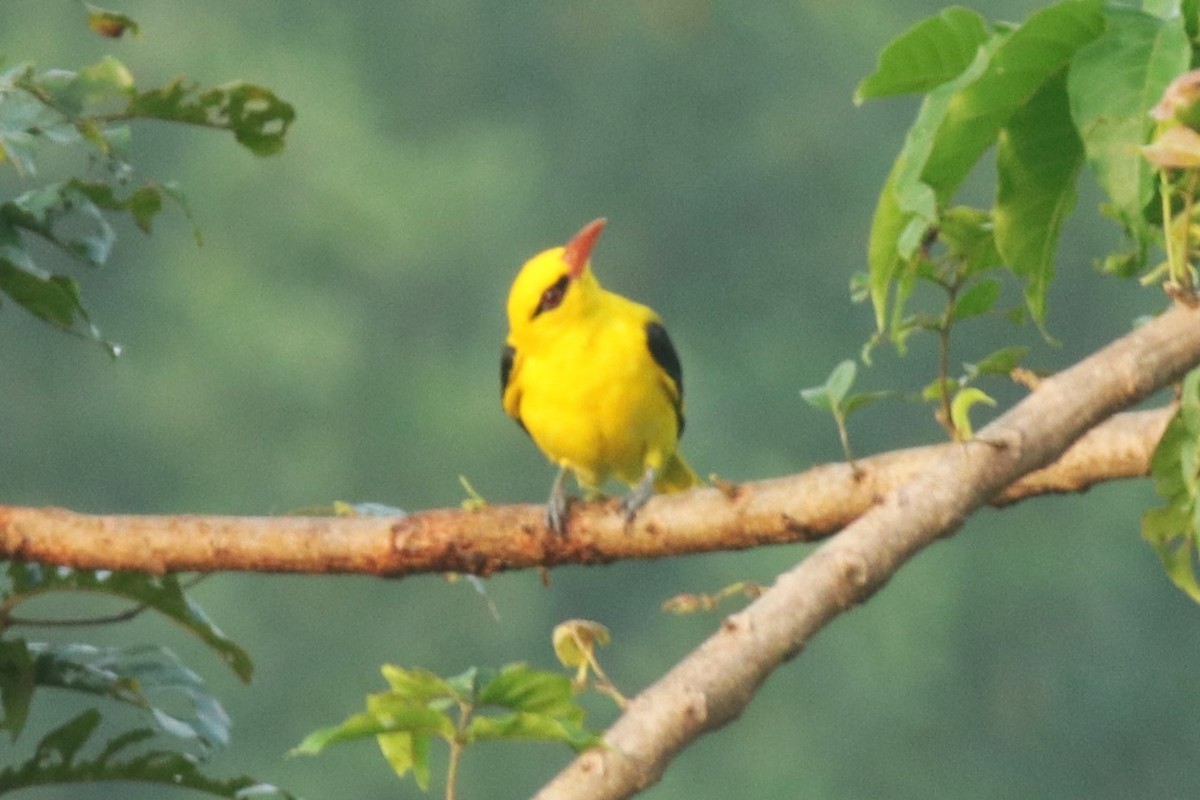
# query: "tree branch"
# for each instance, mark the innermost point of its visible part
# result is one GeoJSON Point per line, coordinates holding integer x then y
{"type": "Point", "coordinates": [802, 507]}
{"type": "Point", "coordinates": [714, 683]}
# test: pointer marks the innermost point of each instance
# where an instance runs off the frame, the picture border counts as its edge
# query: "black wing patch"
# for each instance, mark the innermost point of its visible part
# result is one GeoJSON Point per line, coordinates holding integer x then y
{"type": "Point", "coordinates": [664, 354]}
{"type": "Point", "coordinates": [507, 355]}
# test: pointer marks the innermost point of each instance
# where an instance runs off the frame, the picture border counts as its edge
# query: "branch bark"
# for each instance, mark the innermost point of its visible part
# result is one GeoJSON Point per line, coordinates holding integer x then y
{"type": "Point", "coordinates": [802, 507]}
{"type": "Point", "coordinates": [714, 683]}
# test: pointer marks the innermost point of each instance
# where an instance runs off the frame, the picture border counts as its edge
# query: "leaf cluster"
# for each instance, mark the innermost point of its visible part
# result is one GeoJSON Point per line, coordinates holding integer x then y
{"type": "Point", "coordinates": [148, 679]}
{"type": "Point", "coordinates": [1070, 86]}
{"type": "Point", "coordinates": [89, 112]}
{"type": "Point", "coordinates": [515, 703]}
{"type": "Point", "coordinates": [1173, 530]}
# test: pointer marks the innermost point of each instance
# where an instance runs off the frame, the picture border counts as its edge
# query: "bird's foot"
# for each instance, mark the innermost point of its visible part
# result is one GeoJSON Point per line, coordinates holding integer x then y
{"type": "Point", "coordinates": [637, 498]}
{"type": "Point", "coordinates": [557, 513]}
{"type": "Point", "coordinates": [558, 505]}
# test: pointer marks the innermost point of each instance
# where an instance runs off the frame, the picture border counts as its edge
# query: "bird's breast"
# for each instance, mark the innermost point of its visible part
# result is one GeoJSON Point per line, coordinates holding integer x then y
{"type": "Point", "coordinates": [594, 399]}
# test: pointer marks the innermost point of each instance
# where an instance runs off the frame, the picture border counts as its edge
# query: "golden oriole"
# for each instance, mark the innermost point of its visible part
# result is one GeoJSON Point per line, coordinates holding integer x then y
{"type": "Point", "coordinates": [593, 378]}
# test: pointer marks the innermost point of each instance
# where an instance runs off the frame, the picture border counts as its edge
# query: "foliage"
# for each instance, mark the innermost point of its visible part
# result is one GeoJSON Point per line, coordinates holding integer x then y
{"type": "Point", "coordinates": [945, 388]}
{"type": "Point", "coordinates": [1071, 85]}
{"type": "Point", "coordinates": [1173, 530]}
{"type": "Point", "coordinates": [89, 111]}
{"type": "Point", "coordinates": [1077, 83]}
{"type": "Point", "coordinates": [149, 679]}
{"type": "Point", "coordinates": [525, 704]}
{"type": "Point", "coordinates": [833, 396]}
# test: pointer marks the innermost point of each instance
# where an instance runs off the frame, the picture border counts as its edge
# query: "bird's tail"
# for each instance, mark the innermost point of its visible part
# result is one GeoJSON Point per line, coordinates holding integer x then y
{"type": "Point", "coordinates": [675, 476]}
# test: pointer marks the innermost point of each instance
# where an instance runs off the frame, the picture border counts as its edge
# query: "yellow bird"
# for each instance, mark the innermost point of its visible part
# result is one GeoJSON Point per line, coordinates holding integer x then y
{"type": "Point", "coordinates": [593, 378]}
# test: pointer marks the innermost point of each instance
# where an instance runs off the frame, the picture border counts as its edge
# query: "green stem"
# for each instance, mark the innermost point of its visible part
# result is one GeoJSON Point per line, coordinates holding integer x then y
{"type": "Point", "coordinates": [1182, 274]}
{"type": "Point", "coordinates": [944, 360]}
{"type": "Point", "coordinates": [1164, 194]}
{"type": "Point", "coordinates": [840, 420]}
{"type": "Point", "coordinates": [456, 749]}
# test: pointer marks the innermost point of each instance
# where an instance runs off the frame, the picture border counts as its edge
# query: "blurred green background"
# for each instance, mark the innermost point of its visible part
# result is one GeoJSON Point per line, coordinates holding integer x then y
{"type": "Point", "coordinates": [336, 337]}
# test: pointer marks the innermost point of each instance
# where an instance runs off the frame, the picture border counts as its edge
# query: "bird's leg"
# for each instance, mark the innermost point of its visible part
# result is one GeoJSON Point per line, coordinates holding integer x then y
{"type": "Point", "coordinates": [640, 494]}
{"type": "Point", "coordinates": [556, 506]}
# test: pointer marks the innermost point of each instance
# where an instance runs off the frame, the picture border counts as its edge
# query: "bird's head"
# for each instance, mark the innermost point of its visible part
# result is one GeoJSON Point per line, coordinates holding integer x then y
{"type": "Point", "coordinates": [556, 283]}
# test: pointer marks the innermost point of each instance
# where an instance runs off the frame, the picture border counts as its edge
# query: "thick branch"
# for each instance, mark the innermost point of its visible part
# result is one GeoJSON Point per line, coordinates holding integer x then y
{"type": "Point", "coordinates": [713, 684]}
{"type": "Point", "coordinates": [802, 507]}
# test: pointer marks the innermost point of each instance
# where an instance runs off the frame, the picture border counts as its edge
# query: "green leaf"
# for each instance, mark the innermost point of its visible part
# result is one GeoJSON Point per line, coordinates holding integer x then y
{"type": "Point", "coordinates": [817, 397]}
{"type": "Point", "coordinates": [1031, 55]}
{"type": "Point", "coordinates": [927, 55]}
{"type": "Point", "coordinates": [55, 761]}
{"type": "Point", "coordinates": [385, 714]}
{"type": "Point", "coordinates": [161, 593]}
{"type": "Point", "coordinates": [142, 204]}
{"type": "Point", "coordinates": [407, 752]}
{"type": "Point", "coordinates": [977, 299]}
{"type": "Point", "coordinates": [67, 216]}
{"type": "Point", "coordinates": [1038, 161]}
{"type": "Point", "coordinates": [65, 741]}
{"type": "Point", "coordinates": [1190, 11]}
{"type": "Point", "coordinates": [1113, 83]}
{"type": "Point", "coordinates": [829, 395]}
{"type": "Point", "coordinates": [534, 727]}
{"type": "Point", "coordinates": [969, 237]}
{"type": "Point", "coordinates": [1173, 530]}
{"type": "Point", "coordinates": [840, 380]}
{"type": "Point", "coordinates": [139, 676]}
{"type": "Point", "coordinates": [1002, 361]}
{"type": "Point", "coordinates": [406, 747]}
{"type": "Point", "coordinates": [519, 687]}
{"type": "Point", "coordinates": [907, 204]}
{"type": "Point", "coordinates": [1169, 532]}
{"type": "Point", "coordinates": [51, 298]}
{"type": "Point", "coordinates": [863, 399]}
{"type": "Point", "coordinates": [16, 684]}
{"type": "Point", "coordinates": [933, 391]}
{"type": "Point", "coordinates": [419, 686]}
{"type": "Point", "coordinates": [960, 408]}
{"type": "Point", "coordinates": [100, 87]}
{"type": "Point", "coordinates": [257, 118]}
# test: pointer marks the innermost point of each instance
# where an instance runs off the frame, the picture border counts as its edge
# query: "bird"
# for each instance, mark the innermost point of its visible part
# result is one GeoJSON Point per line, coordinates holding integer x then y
{"type": "Point", "coordinates": [594, 379]}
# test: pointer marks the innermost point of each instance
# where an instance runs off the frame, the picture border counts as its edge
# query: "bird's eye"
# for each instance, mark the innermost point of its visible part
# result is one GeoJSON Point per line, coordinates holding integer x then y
{"type": "Point", "coordinates": [553, 296]}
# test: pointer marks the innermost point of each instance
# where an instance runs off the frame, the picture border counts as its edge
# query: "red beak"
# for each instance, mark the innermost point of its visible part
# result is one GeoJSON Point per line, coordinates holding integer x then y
{"type": "Point", "coordinates": [580, 247]}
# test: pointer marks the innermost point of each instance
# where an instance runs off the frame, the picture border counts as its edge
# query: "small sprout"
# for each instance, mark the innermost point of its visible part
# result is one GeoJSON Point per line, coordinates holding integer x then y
{"type": "Point", "coordinates": [474, 500]}
{"type": "Point", "coordinates": [1001, 362]}
{"type": "Point", "coordinates": [575, 647]}
{"type": "Point", "coordinates": [960, 408]}
{"type": "Point", "coordinates": [688, 603]}
{"type": "Point", "coordinates": [833, 396]}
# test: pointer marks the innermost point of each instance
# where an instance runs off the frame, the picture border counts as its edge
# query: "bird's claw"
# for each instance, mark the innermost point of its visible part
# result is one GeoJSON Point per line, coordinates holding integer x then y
{"type": "Point", "coordinates": [556, 514]}
{"type": "Point", "coordinates": [637, 498]}
{"type": "Point", "coordinates": [557, 506]}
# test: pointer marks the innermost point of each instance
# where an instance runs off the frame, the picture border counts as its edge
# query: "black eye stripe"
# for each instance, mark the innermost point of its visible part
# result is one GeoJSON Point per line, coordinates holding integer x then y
{"type": "Point", "coordinates": [553, 296]}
